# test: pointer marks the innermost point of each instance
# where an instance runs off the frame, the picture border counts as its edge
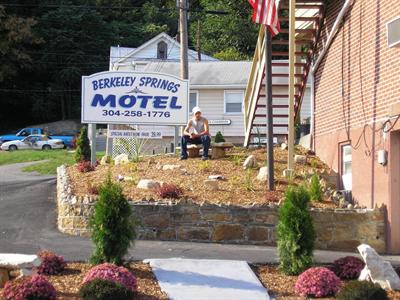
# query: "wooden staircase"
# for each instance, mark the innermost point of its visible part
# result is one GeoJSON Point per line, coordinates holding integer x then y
{"type": "Point", "coordinates": [309, 19]}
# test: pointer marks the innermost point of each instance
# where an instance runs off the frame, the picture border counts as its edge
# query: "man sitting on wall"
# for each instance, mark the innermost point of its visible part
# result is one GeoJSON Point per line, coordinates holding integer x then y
{"type": "Point", "coordinates": [196, 132]}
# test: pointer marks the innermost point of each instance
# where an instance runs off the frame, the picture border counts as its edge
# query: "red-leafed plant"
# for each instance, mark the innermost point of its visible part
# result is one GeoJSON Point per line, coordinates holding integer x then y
{"type": "Point", "coordinates": [317, 282]}
{"type": "Point", "coordinates": [85, 166]}
{"type": "Point", "coordinates": [169, 191]}
{"type": "Point", "coordinates": [113, 273]}
{"type": "Point", "coordinates": [93, 190]}
{"type": "Point", "coordinates": [348, 267]}
{"type": "Point", "coordinates": [34, 287]}
{"type": "Point", "coordinates": [52, 264]}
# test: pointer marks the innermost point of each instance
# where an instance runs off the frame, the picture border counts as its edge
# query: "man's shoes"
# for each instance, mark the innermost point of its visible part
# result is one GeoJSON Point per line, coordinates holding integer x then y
{"type": "Point", "coordinates": [182, 158]}
{"type": "Point", "coordinates": [205, 158]}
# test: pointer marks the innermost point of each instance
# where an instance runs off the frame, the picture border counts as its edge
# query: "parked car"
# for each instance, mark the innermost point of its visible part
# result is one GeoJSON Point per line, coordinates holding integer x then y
{"type": "Point", "coordinates": [25, 132]}
{"type": "Point", "coordinates": [35, 141]}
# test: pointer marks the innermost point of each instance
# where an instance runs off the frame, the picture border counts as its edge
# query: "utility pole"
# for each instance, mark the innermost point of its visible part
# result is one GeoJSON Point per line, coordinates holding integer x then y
{"type": "Point", "coordinates": [292, 47]}
{"type": "Point", "coordinates": [183, 31]}
{"type": "Point", "coordinates": [268, 93]}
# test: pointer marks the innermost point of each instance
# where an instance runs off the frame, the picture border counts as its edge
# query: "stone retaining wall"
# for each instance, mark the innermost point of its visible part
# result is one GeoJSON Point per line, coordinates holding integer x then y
{"type": "Point", "coordinates": [340, 229]}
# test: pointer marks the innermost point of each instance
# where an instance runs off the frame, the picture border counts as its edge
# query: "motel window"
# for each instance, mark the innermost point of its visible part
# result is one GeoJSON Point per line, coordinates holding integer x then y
{"type": "Point", "coordinates": [162, 48]}
{"type": "Point", "coordinates": [233, 102]}
{"type": "Point", "coordinates": [346, 167]}
{"type": "Point", "coordinates": [193, 100]}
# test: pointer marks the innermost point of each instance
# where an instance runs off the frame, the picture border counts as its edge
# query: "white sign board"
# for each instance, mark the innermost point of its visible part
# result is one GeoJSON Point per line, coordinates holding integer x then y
{"type": "Point", "coordinates": [134, 98]}
{"type": "Point", "coordinates": [220, 122]}
{"type": "Point", "coordinates": [143, 134]}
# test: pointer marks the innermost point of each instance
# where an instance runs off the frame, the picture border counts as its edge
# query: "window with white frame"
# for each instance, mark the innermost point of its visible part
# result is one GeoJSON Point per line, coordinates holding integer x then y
{"type": "Point", "coordinates": [233, 102]}
{"type": "Point", "coordinates": [193, 100]}
{"type": "Point", "coordinates": [346, 167]}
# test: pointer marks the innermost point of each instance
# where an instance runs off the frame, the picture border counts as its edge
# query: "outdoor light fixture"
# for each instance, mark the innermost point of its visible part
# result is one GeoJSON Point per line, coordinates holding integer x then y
{"type": "Point", "coordinates": [382, 157]}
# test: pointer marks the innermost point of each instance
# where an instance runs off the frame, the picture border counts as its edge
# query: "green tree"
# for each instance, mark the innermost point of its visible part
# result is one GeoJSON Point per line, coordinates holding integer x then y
{"type": "Point", "coordinates": [315, 189]}
{"type": "Point", "coordinates": [82, 146]}
{"type": "Point", "coordinates": [296, 233]}
{"type": "Point", "coordinates": [112, 225]}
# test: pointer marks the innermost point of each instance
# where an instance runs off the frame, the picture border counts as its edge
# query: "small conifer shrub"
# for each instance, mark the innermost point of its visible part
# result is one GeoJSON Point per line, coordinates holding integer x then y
{"type": "Point", "coordinates": [362, 290]}
{"type": "Point", "coordinates": [82, 152]}
{"type": "Point", "coordinates": [112, 224]}
{"type": "Point", "coordinates": [295, 232]}
{"type": "Point", "coordinates": [315, 189]}
{"type": "Point", "coordinates": [219, 138]}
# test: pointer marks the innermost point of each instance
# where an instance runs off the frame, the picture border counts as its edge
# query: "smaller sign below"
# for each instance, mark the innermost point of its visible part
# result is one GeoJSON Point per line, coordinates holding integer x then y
{"type": "Point", "coordinates": [264, 140]}
{"type": "Point", "coordinates": [219, 122]}
{"type": "Point", "coordinates": [141, 134]}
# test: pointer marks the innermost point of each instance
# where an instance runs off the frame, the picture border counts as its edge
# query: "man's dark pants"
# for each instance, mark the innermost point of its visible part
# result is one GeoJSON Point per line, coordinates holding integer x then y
{"type": "Point", "coordinates": [205, 140]}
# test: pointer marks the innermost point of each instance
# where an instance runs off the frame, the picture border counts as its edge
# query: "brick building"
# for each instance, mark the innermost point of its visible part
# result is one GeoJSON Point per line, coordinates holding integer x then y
{"type": "Point", "coordinates": [357, 105]}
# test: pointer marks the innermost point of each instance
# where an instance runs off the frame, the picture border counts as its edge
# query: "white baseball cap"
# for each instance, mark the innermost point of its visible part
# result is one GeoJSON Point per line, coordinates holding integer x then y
{"type": "Point", "coordinates": [196, 109]}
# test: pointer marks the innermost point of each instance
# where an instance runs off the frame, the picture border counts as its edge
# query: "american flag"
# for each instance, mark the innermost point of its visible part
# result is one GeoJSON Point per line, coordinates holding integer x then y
{"type": "Point", "coordinates": [265, 12]}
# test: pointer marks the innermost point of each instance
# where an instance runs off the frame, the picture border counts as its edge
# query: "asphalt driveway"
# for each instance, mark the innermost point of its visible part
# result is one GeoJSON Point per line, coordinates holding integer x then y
{"type": "Point", "coordinates": [28, 224]}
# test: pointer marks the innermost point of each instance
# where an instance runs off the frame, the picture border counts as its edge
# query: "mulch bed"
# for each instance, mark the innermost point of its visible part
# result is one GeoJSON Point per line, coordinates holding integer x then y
{"type": "Point", "coordinates": [281, 286]}
{"type": "Point", "coordinates": [67, 284]}
{"type": "Point", "coordinates": [239, 188]}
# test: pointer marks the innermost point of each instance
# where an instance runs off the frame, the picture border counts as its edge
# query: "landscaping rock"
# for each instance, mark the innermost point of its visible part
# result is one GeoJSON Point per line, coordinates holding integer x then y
{"type": "Point", "coordinates": [121, 159]}
{"type": "Point", "coordinates": [171, 167]}
{"type": "Point", "coordinates": [148, 184]}
{"type": "Point", "coordinates": [263, 174]}
{"type": "Point", "coordinates": [284, 146]}
{"type": "Point", "coordinates": [211, 184]}
{"type": "Point", "coordinates": [216, 177]}
{"type": "Point", "coordinates": [105, 160]}
{"type": "Point", "coordinates": [300, 159]}
{"type": "Point", "coordinates": [3, 277]}
{"type": "Point", "coordinates": [250, 162]}
{"type": "Point", "coordinates": [378, 270]}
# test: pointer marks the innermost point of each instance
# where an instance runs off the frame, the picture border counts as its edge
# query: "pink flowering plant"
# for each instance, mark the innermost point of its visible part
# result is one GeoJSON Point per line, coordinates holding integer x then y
{"type": "Point", "coordinates": [317, 282]}
{"type": "Point", "coordinates": [34, 287]}
{"type": "Point", "coordinates": [348, 267]}
{"type": "Point", "coordinates": [52, 264]}
{"type": "Point", "coordinates": [113, 273]}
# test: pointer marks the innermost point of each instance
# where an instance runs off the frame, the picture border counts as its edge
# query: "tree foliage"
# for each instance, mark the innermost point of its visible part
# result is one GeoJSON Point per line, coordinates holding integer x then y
{"type": "Point", "coordinates": [83, 150]}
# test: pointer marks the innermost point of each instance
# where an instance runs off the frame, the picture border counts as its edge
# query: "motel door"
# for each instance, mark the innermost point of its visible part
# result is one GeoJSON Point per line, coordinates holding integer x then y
{"type": "Point", "coordinates": [346, 168]}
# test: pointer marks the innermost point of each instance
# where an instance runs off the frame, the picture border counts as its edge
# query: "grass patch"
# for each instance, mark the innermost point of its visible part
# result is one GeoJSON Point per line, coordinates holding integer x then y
{"type": "Point", "coordinates": [54, 159]}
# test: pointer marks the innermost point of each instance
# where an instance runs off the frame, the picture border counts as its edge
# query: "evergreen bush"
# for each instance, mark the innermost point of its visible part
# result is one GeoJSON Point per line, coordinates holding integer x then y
{"type": "Point", "coordinates": [295, 232]}
{"type": "Point", "coordinates": [82, 152]}
{"type": "Point", "coordinates": [315, 189]}
{"type": "Point", "coordinates": [219, 138]}
{"type": "Point", "coordinates": [100, 289]}
{"type": "Point", "coordinates": [362, 290]}
{"type": "Point", "coordinates": [112, 225]}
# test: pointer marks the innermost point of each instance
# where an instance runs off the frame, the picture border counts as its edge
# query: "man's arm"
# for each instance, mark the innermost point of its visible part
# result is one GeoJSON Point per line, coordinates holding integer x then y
{"type": "Point", "coordinates": [186, 130]}
{"type": "Point", "coordinates": [206, 128]}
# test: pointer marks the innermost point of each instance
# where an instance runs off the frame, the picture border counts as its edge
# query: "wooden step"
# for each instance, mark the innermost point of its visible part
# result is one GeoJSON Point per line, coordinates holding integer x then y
{"type": "Point", "coordinates": [303, 6]}
{"type": "Point", "coordinates": [286, 42]}
{"type": "Point", "coordinates": [273, 106]}
{"type": "Point", "coordinates": [297, 85]}
{"type": "Point", "coordinates": [286, 64]}
{"type": "Point", "coordinates": [305, 19]}
{"type": "Point", "coordinates": [277, 96]}
{"type": "Point", "coordinates": [300, 31]}
{"type": "Point", "coordinates": [265, 125]}
{"type": "Point", "coordinates": [273, 115]}
{"type": "Point", "coordinates": [283, 75]}
{"type": "Point", "coordinates": [284, 53]}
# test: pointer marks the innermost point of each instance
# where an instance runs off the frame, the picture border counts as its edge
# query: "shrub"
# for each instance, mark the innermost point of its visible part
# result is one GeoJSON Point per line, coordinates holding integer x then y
{"type": "Point", "coordinates": [35, 287]}
{"type": "Point", "coordinates": [51, 264]}
{"type": "Point", "coordinates": [169, 191]}
{"type": "Point", "coordinates": [317, 282]}
{"type": "Point", "coordinates": [348, 267]}
{"type": "Point", "coordinates": [82, 152]}
{"type": "Point", "coordinates": [99, 289]}
{"type": "Point", "coordinates": [248, 181]}
{"type": "Point", "coordinates": [112, 273]}
{"type": "Point", "coordinates": [315, 189]}
{"type": "Point", "coordinates": [295, 232]}
{"type": "Point", "coordinates": [362, 290]}
{"type": "Point", "coordinates": [93, 190]}
{"type": "Point", "coordinates": [219, 138]}
{"type": "Point", "coordinates": [112, 226]}
{"type": "Point", "coordinates": [85, 166]}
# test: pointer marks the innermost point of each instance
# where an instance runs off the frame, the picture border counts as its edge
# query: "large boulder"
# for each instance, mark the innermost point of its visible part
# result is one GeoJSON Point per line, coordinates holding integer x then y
{"type": "Point", "coordinates": [121, 159]}
{"type": "Point", "coordinates": [378, 270]}
{"type": "Point", "coordinates": [250, 162]}
{"type": "Point", "coordinates": [148, 184]}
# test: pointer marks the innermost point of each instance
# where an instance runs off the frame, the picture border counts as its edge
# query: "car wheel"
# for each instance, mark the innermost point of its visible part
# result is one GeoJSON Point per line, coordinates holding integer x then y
{"type": "Point", "coordinates": [12, 148]}
{"type": "Point", "coordinates": [46, 147]}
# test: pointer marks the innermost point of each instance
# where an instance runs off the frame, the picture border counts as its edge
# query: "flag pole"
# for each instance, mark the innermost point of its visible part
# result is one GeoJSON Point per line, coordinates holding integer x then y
{"type": "Point", "coordinates": [268, 93]}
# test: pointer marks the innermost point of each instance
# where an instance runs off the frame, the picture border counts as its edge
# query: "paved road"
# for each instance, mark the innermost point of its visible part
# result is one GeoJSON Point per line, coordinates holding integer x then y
{"type": "Point", "coordinates": [28, 223]}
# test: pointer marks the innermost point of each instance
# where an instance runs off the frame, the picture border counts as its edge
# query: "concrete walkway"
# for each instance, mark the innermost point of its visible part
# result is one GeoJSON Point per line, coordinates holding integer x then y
{"type": "Point", "coordinates": [200, 279]}
{"type": "Point", "coordinates": [28, 224]}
